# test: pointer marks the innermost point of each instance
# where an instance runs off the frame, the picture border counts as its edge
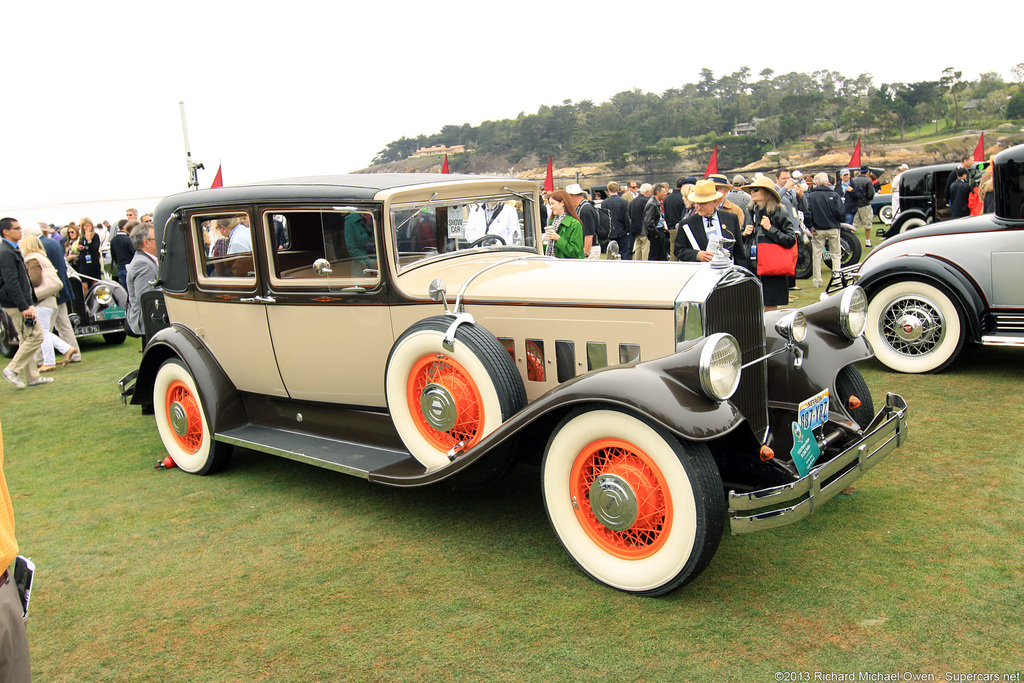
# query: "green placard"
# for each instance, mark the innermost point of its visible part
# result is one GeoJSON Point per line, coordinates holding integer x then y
{"type": "Point", "coordinates": [805, 449]}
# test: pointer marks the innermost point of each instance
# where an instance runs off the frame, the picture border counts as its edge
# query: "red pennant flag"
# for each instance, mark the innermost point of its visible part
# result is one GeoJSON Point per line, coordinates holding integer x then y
{"type": "Point", "coordinates": [713, 164]}
{"type": "Point", "coordinates": [444, 167]}
{"type": "Point", "coordinates": [218, 180]}
{"type": "Point", "coordinates": [979, 151]}
{"type": "Point", "coordinates": [549, 179]}
{"type": "Point", "coordinates": [855, 159]}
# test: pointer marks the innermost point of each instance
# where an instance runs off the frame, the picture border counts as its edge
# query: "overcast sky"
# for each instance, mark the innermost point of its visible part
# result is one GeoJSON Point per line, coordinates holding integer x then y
{"type": "Point", "coordinates": [282, 89]}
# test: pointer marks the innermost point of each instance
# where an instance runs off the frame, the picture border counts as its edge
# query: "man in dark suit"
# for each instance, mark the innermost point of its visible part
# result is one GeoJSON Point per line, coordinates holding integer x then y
{"type": "Point", "coordinates": [959, 195]}
{"type": "Point", "coordinates": [695, 231]}
{"type": "Point", "coordinates": [141, 272]}
{"type": "Point", "coordinates": [618, 209]}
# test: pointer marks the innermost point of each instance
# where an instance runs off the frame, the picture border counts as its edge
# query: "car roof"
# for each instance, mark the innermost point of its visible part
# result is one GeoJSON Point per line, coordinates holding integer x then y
{"type": "Point", "coordinates": [352, 186]}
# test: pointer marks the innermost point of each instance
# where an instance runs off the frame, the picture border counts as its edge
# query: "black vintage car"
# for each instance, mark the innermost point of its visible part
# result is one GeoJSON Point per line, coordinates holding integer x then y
{"type": "Point", "coordinates": [922, 198]}
{"type": "Point", "coordinates": [101, 313]}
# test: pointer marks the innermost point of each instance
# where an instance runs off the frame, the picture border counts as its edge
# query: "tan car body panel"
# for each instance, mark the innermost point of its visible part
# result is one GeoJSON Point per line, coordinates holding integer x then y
{"type": "Point", "coordinates": [337, 353]}
{"type": "Point", "coordinates": [238, 336]}
{"type": "Point", "coordinates": [651, 330]}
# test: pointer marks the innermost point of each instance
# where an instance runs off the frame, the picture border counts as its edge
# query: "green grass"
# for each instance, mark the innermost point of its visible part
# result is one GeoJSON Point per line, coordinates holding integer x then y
{"type": "Point", "coordinates": [277, 571]}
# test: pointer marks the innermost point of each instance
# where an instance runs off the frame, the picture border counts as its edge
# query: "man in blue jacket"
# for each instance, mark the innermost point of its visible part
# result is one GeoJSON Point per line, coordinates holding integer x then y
{"type": "Point", "coordinates": [825, 210]}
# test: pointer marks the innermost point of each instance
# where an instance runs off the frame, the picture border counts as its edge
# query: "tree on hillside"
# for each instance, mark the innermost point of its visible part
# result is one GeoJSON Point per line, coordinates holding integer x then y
{"type": "Point", "coordinates": [952, 82]}
{"type": "Point", "coordinates": [771, 130]}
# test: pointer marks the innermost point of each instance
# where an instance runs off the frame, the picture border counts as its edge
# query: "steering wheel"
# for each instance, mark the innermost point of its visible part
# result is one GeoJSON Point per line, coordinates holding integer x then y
{"type": "Point", "coordinates": [480, 240]}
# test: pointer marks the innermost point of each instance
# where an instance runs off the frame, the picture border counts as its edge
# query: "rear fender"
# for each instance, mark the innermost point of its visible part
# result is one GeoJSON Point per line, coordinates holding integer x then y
{"type": "Point", "coordinates": [221, 400]}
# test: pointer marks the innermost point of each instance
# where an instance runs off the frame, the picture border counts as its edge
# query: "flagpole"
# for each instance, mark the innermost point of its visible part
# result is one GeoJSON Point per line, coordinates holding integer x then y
{"type": "Point", "coordinates": [193, 168]}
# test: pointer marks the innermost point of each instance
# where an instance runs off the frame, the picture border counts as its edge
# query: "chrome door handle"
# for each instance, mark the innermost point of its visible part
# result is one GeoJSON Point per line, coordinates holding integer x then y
{"type": "Point", "coordinates": [258, 300]}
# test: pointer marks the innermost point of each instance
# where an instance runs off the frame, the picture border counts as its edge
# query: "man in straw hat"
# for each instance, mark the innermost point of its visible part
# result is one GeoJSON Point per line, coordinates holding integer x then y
{"type": "Point", "coordinates": [696, 231]}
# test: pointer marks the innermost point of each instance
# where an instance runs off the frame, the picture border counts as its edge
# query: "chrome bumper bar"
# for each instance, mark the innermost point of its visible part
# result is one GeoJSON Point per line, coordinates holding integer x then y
{"type": "Point", "coordinates": [886, 432]}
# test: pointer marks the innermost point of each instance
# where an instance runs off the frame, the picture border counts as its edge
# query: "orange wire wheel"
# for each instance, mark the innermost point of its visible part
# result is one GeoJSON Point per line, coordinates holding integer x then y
{"type": "Point", "coordinates": [445, 402]}
{"type": "Point", "coordinates": [184, 417]}
{"type": "Point", "coordinates": [621, 499]}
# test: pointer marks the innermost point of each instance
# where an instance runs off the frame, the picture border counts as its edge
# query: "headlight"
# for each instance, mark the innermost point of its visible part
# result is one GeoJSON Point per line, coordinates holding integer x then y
{"type": "Point", "coordinates": [720, 366]}
{"type": "Point", "coordinates": [103, 295]}
{"type": "Point", "coordinates": [853, 312]}
{"type": "Point", "coordinates": [793, 327]}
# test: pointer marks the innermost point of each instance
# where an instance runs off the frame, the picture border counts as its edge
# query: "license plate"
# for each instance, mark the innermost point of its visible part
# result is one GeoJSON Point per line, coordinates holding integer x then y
{"type": "Point", "coordinates": [814, 411]}
{"type": "Point", "coordinates": [111, 313]}
{"type": "Point", "coordinates": [83, 330]}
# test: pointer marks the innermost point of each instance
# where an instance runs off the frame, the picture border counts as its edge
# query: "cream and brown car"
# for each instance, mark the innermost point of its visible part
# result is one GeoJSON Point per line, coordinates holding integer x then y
{"type": "Point", "coordinates": [401, 329]}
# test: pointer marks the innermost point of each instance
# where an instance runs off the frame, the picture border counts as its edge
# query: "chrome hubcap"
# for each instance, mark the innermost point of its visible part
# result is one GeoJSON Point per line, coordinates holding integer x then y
{"type": "Point", "coordinates": [179, 419]}
{"type": "Point", "coordinates": [613, 502]}
{"type": "Point", "coordinates": [908, 328]}
{"type": "Point", "coordinates": [912, 326]}
{"type": "Point", "coordinates": [438, 407]}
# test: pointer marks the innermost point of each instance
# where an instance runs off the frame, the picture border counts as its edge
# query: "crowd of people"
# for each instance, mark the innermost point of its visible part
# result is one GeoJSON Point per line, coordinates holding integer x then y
{"type": "Point", "coordinates": [35, 288]}
{"type": "Point", "coordinates": [647, 222]}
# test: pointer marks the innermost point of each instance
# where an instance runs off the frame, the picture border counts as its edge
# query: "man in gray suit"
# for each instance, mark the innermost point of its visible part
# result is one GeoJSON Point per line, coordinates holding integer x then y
{"type": "Point", "coordinates": [141, 272]}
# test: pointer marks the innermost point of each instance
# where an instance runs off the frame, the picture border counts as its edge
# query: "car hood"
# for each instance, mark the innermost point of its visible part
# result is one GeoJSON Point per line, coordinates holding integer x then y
{"type": "Point", "coordinates": [511, 276]}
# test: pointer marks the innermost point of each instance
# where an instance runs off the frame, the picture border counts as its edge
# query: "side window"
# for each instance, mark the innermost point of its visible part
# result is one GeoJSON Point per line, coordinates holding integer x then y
{"type": "Point", "coordinates": [224, 245]}
{"type": "Point", "coordinates": [345, 238]}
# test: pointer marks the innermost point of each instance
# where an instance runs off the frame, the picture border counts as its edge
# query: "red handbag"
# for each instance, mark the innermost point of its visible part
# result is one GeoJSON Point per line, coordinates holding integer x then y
{"type": "Point", "coordinates": [773, 259]}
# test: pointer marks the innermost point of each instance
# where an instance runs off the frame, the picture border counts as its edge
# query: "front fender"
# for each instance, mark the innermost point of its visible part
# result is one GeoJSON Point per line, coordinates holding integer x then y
{"type": "Point", "coordinates": [934, 271]}
{"type": "Point", "coordinates": [220, 398]}
{"type": "Point", "coordinates": [664, 390]}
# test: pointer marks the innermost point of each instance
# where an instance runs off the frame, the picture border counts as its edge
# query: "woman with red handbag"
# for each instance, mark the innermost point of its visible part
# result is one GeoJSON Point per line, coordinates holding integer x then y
{"type": "Point", "coordinates": [773, 249]}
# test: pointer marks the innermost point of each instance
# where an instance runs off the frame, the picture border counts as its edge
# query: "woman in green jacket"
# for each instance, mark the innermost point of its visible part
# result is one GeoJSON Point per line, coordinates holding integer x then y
{"type": "Point", "coordinates": [565, 232]}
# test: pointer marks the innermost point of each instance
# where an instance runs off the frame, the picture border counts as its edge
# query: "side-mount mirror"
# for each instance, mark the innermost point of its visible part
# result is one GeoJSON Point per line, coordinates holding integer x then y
{"type": "Point", "coordinates": [436, 290]}
{"type": "Point", "coordinates": [322, 267]}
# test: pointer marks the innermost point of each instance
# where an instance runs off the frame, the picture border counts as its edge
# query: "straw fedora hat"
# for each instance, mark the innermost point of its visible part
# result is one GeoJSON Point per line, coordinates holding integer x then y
{"type": "Point", "coordinates": [765, 183]}
{"type": "Point", "coordinates": [704, 191]}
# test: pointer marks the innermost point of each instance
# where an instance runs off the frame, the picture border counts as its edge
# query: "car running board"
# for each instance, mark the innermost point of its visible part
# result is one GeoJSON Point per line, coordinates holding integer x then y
{"type": "Point", "coordinates": [348, 457]}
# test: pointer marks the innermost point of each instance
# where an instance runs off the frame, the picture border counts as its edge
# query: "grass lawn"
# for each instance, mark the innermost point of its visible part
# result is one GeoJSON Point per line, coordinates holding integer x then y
{"type": "Point", "coordinates": [277, 571]}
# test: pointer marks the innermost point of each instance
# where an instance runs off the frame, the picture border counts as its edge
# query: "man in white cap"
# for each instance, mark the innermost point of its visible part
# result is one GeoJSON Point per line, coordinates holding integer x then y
{"type": "Point", "coordinates": [736, 195]}
{"type": "Point", "coordinates": [588, 216]}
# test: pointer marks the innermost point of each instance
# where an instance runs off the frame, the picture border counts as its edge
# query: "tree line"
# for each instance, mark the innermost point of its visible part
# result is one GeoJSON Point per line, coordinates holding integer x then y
{"type": "Point", "coordinates": [641, 130]}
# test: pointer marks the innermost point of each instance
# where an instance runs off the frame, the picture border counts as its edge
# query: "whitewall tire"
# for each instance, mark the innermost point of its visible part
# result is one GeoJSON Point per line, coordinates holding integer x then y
{"type": "Point", "coordinates": [443, 399]}
{"type": "Point", "coordinates": [635, 508]}
{"type": "Point", "coordinates": [914, 327]}
{"type": "Point", "coordinates": [182, 422]}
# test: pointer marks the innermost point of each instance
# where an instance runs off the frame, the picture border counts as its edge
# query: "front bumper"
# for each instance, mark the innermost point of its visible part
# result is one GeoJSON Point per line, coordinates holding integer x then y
{"type": "Point", "coordinates": [886, 432]}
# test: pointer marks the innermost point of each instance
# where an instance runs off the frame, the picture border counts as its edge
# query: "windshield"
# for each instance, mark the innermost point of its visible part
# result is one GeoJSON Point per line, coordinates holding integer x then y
{"type": "Point", "coordinates": [425, 230]}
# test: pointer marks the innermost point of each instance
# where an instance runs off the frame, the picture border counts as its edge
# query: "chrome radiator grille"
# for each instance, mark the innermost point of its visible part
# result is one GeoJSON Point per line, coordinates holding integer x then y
{"type": "Point", "coordinates": [738, 309]}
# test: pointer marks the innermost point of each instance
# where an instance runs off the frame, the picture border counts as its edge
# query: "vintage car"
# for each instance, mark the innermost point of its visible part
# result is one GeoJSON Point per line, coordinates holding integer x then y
{"type": "Point", "coordinates": [881, 206]}
{"type": "Point", "coordinates": [357, 323]}
{"type": "Point", "coordinates": [100, 313]}
{"type": "Point", "coordinates": [922, 198]}
{"type": "Point", "coordinates": [937, 287]}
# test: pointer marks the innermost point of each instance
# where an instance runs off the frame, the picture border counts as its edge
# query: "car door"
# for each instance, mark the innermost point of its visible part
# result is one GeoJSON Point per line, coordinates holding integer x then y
{"type": "Point", "coordinates": [327, 305]}
{"type": "Point", "coordinates": [230, 316]}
